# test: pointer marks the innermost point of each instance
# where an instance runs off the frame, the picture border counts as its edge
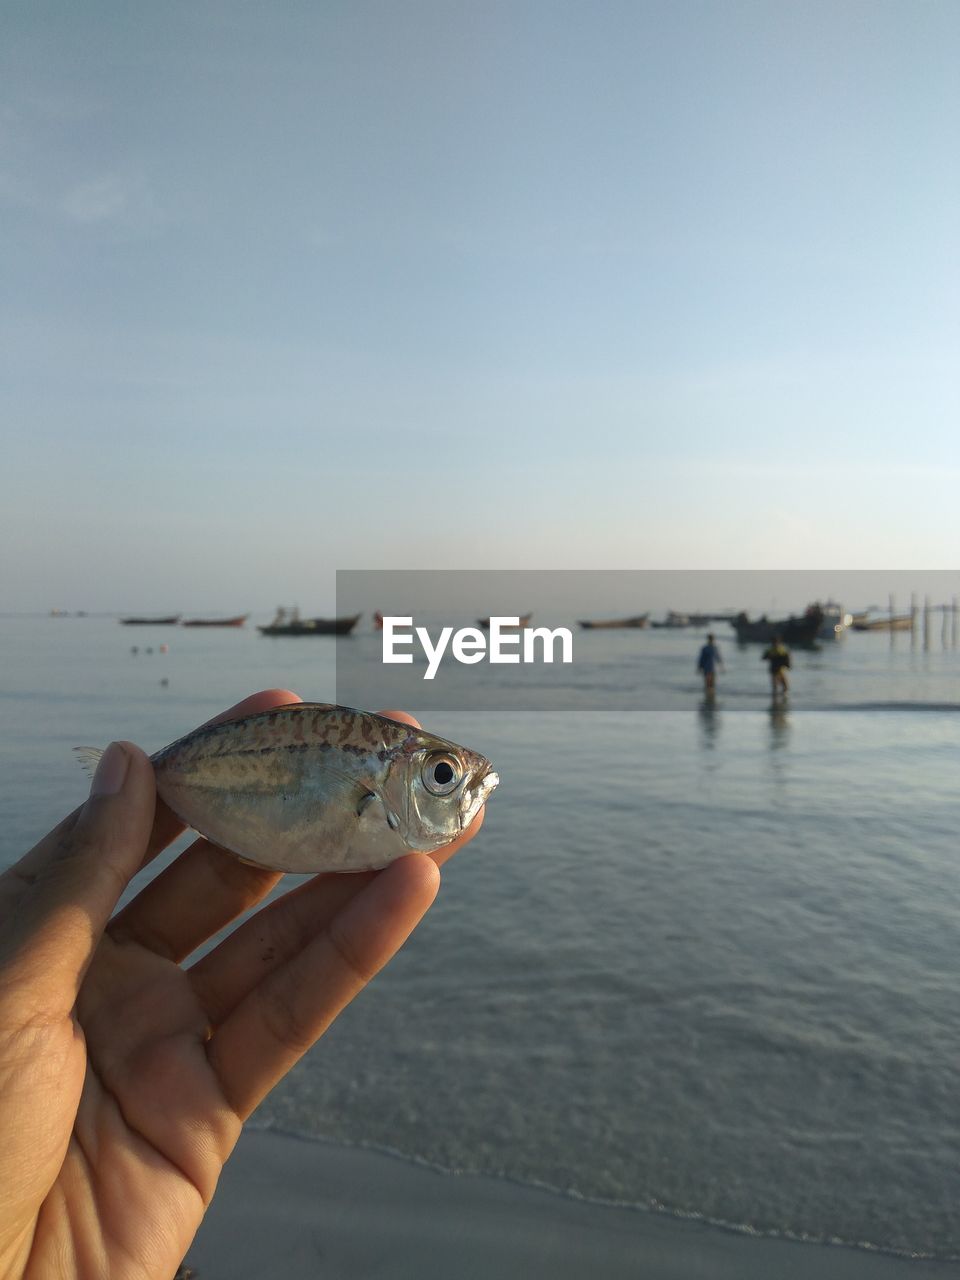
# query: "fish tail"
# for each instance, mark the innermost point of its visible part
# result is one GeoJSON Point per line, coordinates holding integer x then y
{"type": "Point", "coordinates": [88, 758]}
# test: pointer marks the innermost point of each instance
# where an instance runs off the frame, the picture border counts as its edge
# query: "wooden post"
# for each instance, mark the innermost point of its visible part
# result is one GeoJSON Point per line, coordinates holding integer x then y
{"type": "Point", "coordinates": [914, 614]}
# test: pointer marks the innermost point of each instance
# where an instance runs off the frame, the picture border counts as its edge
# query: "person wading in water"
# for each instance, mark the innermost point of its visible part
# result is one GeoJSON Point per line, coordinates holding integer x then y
{"type": "Point", "coordinates": [708, 662]}
{"type": "Point", "coordinates": [777, 658]}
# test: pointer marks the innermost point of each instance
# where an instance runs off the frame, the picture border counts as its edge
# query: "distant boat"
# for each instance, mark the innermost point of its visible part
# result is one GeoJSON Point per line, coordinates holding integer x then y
{"type": "Point", "coordinates": [835, 621]}
{"type": "Point", "coordinates": [675, 621]}
{"type": "Point", "coordinates": [217, 622]}
{"type": "Point", "coordinates": [639, 620]}
{"type": "Point", "coordinates": [901, 622]}
{"type": "Point", "coordinates": [800, 631]}
{"type": "Point", "coordinates": [378, 621]}
{"type": "Point", "coordinates": [170, 621]}
{"type": "Point", "coordinates": [289, 623]}
{"type": "Point", "coordinates": [524, 622]}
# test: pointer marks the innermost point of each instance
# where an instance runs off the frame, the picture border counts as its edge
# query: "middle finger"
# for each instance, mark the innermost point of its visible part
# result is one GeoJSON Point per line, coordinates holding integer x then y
{"type": "Point", "coordinates": [199, 893]}
{"type": "Point", "coordinates": [225, 976]}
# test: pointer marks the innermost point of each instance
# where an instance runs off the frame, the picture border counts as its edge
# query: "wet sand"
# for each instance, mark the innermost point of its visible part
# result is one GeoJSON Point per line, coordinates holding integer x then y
{"type": "Point", "coordinates": [289, 1209]}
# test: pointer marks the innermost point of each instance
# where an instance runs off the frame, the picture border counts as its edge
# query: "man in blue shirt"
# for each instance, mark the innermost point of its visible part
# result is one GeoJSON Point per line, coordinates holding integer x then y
{"type": "Point", "coordinates": [708, 662]}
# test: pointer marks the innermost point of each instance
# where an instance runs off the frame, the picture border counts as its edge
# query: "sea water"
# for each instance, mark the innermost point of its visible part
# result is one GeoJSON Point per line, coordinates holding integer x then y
{"type": "Point", "coordinates": [702, 959]}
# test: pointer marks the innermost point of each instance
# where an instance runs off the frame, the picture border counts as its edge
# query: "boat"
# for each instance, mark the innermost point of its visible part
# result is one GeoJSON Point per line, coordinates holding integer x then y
{"type": "Point", "coordinates": [675, 621]}
{"type": "Point", "coordinates": [169, 621]}
{"type": "Point", "coordinates": [289, 623]}
{"type": "Point", "coordinates": [899, 622]}
{"type": "Point", "coordinates": [800, 631]}
{"type": "Point", "coordinates": [835, 620]}
{"type": "Point", "coordinates": [378, 621]}
{"type": "Point", "coordinates": [523, 622]}
{"type": "Point", "coordinates": [640, 620]}
{"type": "Point", "coordinates": [216, 622]}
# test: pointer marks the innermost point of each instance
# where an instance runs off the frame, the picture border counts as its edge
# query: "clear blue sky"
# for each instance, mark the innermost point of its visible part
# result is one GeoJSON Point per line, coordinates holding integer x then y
{"type": "Point", "coordinates": [349, 284]}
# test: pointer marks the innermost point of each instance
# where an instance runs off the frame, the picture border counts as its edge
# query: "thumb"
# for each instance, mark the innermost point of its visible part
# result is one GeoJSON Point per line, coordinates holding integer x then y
{"type": "Point", "coordinates": [62, 918]}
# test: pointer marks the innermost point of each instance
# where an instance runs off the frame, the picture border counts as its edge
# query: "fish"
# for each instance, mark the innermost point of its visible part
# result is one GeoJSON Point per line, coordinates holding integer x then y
{"type": "Point", "coordinates": [311, 787]}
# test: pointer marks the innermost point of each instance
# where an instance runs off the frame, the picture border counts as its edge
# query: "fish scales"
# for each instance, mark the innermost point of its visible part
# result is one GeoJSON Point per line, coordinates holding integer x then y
{"type": "Point", "coordinates": [319, 726]}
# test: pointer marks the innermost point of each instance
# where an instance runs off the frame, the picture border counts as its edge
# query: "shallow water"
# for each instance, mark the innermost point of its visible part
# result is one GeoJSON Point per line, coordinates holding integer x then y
{"type": "Point", "coordinates": [702, 958]}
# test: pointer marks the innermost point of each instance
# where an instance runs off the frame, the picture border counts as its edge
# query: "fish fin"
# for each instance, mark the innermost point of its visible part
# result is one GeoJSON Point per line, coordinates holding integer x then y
{"type": "Point", "coordinates": [370, 807]}
{"type": "Point", "coordinates": [88, 758]}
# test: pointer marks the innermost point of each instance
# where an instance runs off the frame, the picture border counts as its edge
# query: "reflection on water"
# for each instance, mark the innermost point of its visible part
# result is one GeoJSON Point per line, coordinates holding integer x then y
{"type": "Point", "coordinates": [709, 723]}
{"type": "Point", "coordinates": [779, 724]}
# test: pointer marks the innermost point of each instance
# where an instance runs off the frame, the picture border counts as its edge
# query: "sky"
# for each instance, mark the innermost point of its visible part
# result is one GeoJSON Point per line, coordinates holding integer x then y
{"type": "Point", "coordinates": [350, 284]}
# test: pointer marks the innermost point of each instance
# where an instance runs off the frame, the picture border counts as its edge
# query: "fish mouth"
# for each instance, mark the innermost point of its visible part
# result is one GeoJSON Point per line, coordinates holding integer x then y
{"type": "Point", "coordinates": [472, 801]}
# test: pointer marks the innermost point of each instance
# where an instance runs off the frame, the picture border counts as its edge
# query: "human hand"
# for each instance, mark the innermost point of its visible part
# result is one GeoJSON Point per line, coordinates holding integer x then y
{"type": "Point", "coordinates": [125, 1077]}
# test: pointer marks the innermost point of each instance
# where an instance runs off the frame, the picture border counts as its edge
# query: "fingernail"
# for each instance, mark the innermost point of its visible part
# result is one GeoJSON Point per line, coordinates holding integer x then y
{"type": "Point", "coordinates": [111, 771]}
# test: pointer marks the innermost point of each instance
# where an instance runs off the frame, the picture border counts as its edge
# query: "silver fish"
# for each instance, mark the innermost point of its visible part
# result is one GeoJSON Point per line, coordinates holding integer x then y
{"type": "Point", "coordinates": [312, 787]}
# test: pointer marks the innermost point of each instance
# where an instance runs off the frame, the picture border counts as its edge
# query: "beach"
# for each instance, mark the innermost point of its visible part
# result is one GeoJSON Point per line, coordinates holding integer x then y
{"type": "Point", "coordinates": [701, 959]}
{"type": "Point", "coordinates": [291, 1209]}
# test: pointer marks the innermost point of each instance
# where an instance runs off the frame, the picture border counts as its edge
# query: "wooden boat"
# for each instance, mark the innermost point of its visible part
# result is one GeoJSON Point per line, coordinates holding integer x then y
{"type": "Point", "coordinates": [216, 622]}
{"type": "Point", "coordinates": [289, 623]}
{"type": "Point", "coordinates": [801, 632]}
{"type": "Point", "coordinates": [524, 622]}
{"type": "Point", "coordinates": [170, 621]}
{"type": "Point", "coordinates": [604, 624]}
{"type": "Point", "coordinates": [901, 622]}
{"type": "Point", "coordinates": [676, 621]}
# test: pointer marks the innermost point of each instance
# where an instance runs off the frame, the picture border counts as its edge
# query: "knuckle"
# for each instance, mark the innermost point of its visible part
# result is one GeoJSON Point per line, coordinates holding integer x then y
{"type": "Point", "coordinates": [349, 956]}
{"type": "Point", "coordinates": [286, 1019]}
{"type": "Point", "coordinates": [86, 853]}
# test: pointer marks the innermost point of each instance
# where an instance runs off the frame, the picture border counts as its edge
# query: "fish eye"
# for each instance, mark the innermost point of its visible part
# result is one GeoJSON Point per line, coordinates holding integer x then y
{"type": "Point", "coordinates": [441, 774]}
